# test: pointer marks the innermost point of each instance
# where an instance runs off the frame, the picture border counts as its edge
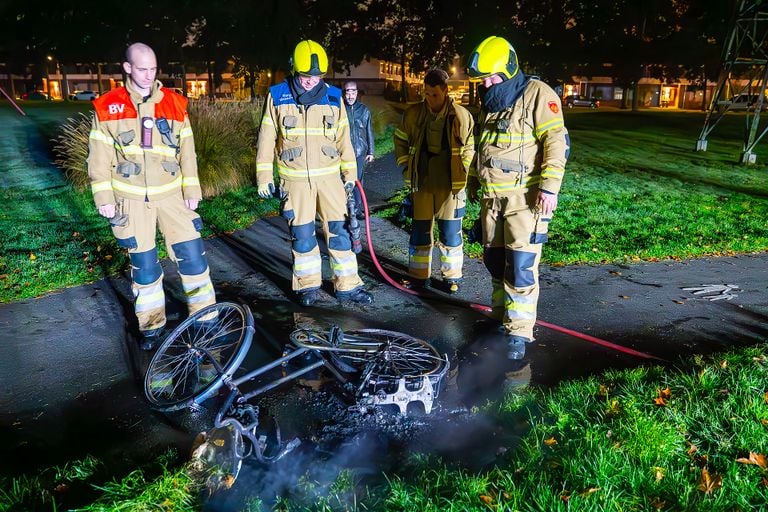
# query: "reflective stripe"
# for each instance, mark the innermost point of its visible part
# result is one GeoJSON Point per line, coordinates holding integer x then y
{"type": "Point", "coordinates": [101, 186]}
{"type": "Point", "coordinates": [491, 137]}
{"type": "Point", "coordinates": [348, 165]}
{"type": "Point", "coordinates": [265, 167]}
{"type": "Point", "coordinates": [267, 120]}
{"type": "Point", "coordinates": [312, 132]}
{"type": "Point", "coordinates": [190, 181]}
{"type": "Point", "coordinates": [300, 173]}
{"type": "Point", "coordinates": [185, 132]}
{"type": "Point", "coordinates": [456, 151]}
{"type": "Point", "coordinates": [134, 150]}
{"type": "Point", "coordinates": [420, 258]}
{"type": "Point", "coordinates": [520, 310]}
{"type": "Point", "coordinates": [457, 184]}
{"type": "Point", "coordinates": [343, 122]}
{"type": "Point", "coordinates": [402, 160]}
{"type": "Point", "coordinates": [344, 265]}
{"type": "Point", "coordinates": [99, 136]}
{"type": "Point", "coordinates": [201, 294]}
{"type": "Point", "coordinates": [150, 297]}
{"type": "Point", "coordinates": [307, 265]}
{"type": "Point", "coordinates": [137, 190]}
{"type": "Point", "coordinates": [549, 125]}
{"type": "Point", "coordinates": [551, 172]}
{"type": "Point", "coordinates": [507, 186]}
{"type": "Point", "coordinates": [400, 134]}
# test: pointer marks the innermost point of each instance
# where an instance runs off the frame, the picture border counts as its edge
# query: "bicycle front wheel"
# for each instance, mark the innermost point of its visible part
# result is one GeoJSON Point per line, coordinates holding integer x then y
{"type": "Point", "coordinates": [196, 358]}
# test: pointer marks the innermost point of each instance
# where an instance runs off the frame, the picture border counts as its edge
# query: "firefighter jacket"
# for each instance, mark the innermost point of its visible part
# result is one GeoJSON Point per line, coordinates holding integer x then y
{"type": "Point", "coordinates": [308, 143]}
{"type": "Point", "coordinates": [141, 148]}
{"type": "Point", "coordinates": [360, 128]}
{"type": "Point", "coordinates": [525, 145]}
{"type": "Point", "coordinates": [410, 137]}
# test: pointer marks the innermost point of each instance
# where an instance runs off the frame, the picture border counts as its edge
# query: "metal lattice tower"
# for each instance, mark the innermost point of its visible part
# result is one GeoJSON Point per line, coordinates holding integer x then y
{"type": "Point", "coordinates": [743, 70]}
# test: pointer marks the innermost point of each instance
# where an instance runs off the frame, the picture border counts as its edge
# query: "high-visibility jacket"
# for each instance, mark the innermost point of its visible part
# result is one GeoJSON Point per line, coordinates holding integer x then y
{"type": "Point", "coordinates": [122, 165]}
{"type": "Point", "coordinates": [308, 143]}
{"type": "Point", "coordinates": [410, 136]}
{"type": "Point", "coordinates": [523, 146]}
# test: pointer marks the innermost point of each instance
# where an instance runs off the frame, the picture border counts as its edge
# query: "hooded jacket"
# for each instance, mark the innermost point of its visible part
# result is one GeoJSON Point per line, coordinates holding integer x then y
{"type": "Point", "coordinates": [524, 145]}
{"type": "Point", "coordinates": [124, 164]}
{"type": "Point", "coordinates": [308, 142]}
{"type": "Point", "coordinates": [409, 137]}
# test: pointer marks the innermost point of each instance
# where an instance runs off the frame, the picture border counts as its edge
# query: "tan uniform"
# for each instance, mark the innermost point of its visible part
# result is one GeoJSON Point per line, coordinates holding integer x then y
{"type": "Point", "coordinates": [312, 150]}
{"type": "Point", "coordinates": [147, 172]}
{"type": "Point", "coordinates": [520, 151]}
{"type": "Point", "coordinates": [436, 150]}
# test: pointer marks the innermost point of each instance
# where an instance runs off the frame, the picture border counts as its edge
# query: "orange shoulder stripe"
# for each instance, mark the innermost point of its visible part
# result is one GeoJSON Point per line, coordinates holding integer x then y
{"type": "Point", "coordinates": [115, 105]}
{"type": "Point", "coordinates": [173, 106]}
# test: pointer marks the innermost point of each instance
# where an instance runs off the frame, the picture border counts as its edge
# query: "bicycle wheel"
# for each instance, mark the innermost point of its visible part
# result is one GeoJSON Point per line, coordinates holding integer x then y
{"type": "Point", "coordinates": [198, 355]}
{"type": "Point", "coordinates": [386, 353]}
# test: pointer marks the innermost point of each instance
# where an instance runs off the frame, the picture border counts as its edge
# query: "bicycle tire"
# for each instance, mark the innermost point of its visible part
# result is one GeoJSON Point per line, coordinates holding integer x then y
{"type": "Point", "coordinates": [179, 374]}
{"type": "Point", "coordinates": [360, 348]}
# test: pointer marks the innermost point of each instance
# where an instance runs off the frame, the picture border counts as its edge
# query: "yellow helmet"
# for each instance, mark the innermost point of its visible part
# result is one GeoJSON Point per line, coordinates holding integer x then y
{"type": "Point", "coordinates": [494, 55]}
{"type": "Point", "coordinates": [309, 58]}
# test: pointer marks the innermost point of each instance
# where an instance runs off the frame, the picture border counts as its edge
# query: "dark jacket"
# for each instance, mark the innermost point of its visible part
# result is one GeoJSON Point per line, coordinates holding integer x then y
{"type": "Point", "coordinates": [360, 128]}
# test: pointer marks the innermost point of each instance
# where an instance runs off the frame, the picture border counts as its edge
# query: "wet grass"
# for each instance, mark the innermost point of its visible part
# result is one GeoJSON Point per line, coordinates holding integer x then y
{"type": "Point", "coordinates": [690, 437]}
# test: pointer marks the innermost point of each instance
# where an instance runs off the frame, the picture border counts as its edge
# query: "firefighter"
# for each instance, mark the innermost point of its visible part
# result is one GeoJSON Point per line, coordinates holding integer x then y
{"type": "Point", "coordinates": [435, 144]}
{"type": "Point", "coordinates": [305, 131]}
{"type": "Point", "coordinates": [143, 171]}
{"type": "Point", "coordinates": [522, 148]}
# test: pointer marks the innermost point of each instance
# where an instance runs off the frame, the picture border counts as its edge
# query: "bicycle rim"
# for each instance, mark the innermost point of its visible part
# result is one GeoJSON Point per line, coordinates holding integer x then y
{"type": "Point", "coordinates": [183, 372]}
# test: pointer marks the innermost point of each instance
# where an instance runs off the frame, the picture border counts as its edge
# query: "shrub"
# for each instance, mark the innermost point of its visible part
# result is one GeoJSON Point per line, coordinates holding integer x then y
{"type": "Point", "coordinates": [225, 141]}
{"type": "Point", "coordinates": [71, 149]}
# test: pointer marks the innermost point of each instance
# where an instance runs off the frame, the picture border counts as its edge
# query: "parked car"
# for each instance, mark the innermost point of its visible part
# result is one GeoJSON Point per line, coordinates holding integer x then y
{"type": "Point", "coordinates": [579, 100]}
{"type": "Point", "coordinates": [34, 95]}
{"type": "Point", "coordinates": [741, 102]}
{"type": "Point", "coordinates": [83, 96]}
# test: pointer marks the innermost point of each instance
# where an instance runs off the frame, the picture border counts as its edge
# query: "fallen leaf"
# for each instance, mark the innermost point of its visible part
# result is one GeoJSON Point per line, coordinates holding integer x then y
{"type": "Point", "coordinates": [723, 364]}
{"type": "Point", "coordinates": [665, 393]}
{"type": "Point", "coordinates": [766, 397]}
{"type": "Point", "coordinates": [660, 401]}
{"type": "Point", "coordinates": [61, 488]}
{"type": "Point", "coordinates": [108, 257]}
{"type": "Point", "coordinates": [709, 483]}
{"type": "Point", "coordinates": [764, 422]}
{"type": "Point", "coordinates": [659, 473]}
{"type": "Point", "coordinates": [623, 296]}
{"type": "Point", "coordinates": [32, 256]}
{"type": "Point", "coordinates": [678, 301]}
{"type": "Point", "coordinates": [565, 496]}
{"type": "Point", "coordinates": [764, 481]}
{"type": "Point", "coordinates": [602, 390]}
{"type": "Point", "coordinates": [589, 492]}
{"type": "Point", "coordinates": [614, 273]}
{"type": "Point", "coordinates": [75, 234]}
{"type": "Point", "coordinates": [550, 442]}
{"type": "Point", "coordinates": [755, 459]}
{"type": "Point", "coordinates": [658, 503]}
{"type": "Point", "coordinates": [486, 499]}
{"type": "Point", "coordinates": [3, 276]}
{"type": "Point", "coordinates": [692, 449]}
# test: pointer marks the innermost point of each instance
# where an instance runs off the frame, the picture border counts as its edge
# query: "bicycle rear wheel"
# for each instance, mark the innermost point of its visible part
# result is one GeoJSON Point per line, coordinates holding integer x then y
{"type": "Point", "coordinates": [196, 358]}
{"type": "Point", "coordinates": [386, 353]}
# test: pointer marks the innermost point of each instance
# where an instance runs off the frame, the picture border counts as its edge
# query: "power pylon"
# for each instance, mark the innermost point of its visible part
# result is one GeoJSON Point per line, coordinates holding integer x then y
{"type": "Point", "coordinates": [743, 71]}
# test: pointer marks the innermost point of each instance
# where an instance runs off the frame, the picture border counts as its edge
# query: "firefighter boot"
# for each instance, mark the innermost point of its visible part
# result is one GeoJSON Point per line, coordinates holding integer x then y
{"type": "Point", "coordinates": [151, 339]}
{"type": "Point", "coordinates": [516, 345]}
{"type": "Point", "coordinates": [308, 297]}
{"type": "Point", "coordinates": [358, 296]}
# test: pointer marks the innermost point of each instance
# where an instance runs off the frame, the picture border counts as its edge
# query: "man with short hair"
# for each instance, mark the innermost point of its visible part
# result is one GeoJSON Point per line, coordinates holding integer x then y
{"type": "Point", "coordinates": [521, 154]}
{"type": "Point", "coordinates": [361, 133]}
{"type": "Point", "coordinates": [143, 171]}
{"type": "Point", "coordinates": [305, 131]}
{"type": "Point", "coordinates": [435, 144]}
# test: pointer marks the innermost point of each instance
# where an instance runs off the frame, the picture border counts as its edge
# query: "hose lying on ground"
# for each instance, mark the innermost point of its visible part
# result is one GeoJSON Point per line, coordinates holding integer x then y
{"type": "Point", "coordinates": [482, 307]}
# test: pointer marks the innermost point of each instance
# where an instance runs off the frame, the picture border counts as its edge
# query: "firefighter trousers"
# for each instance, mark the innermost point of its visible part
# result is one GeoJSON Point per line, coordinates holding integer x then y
{"type": "Point", "coordinates": [513, 234]}
{"type": "Point", "coordinates": [448, 208]}
{"type": "Point", "coordinates": [180, 227]}
{"type": "Point", "coordinates": [327, 199]}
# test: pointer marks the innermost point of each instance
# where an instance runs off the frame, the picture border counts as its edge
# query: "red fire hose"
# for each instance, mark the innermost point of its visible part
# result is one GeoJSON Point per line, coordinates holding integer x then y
{"type": "Point", "coordinates": [482, 307]}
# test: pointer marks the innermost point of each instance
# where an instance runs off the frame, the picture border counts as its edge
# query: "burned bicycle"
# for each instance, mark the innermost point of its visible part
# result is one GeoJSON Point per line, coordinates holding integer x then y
{"type": "Point", "coordinates": [377, 368]}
